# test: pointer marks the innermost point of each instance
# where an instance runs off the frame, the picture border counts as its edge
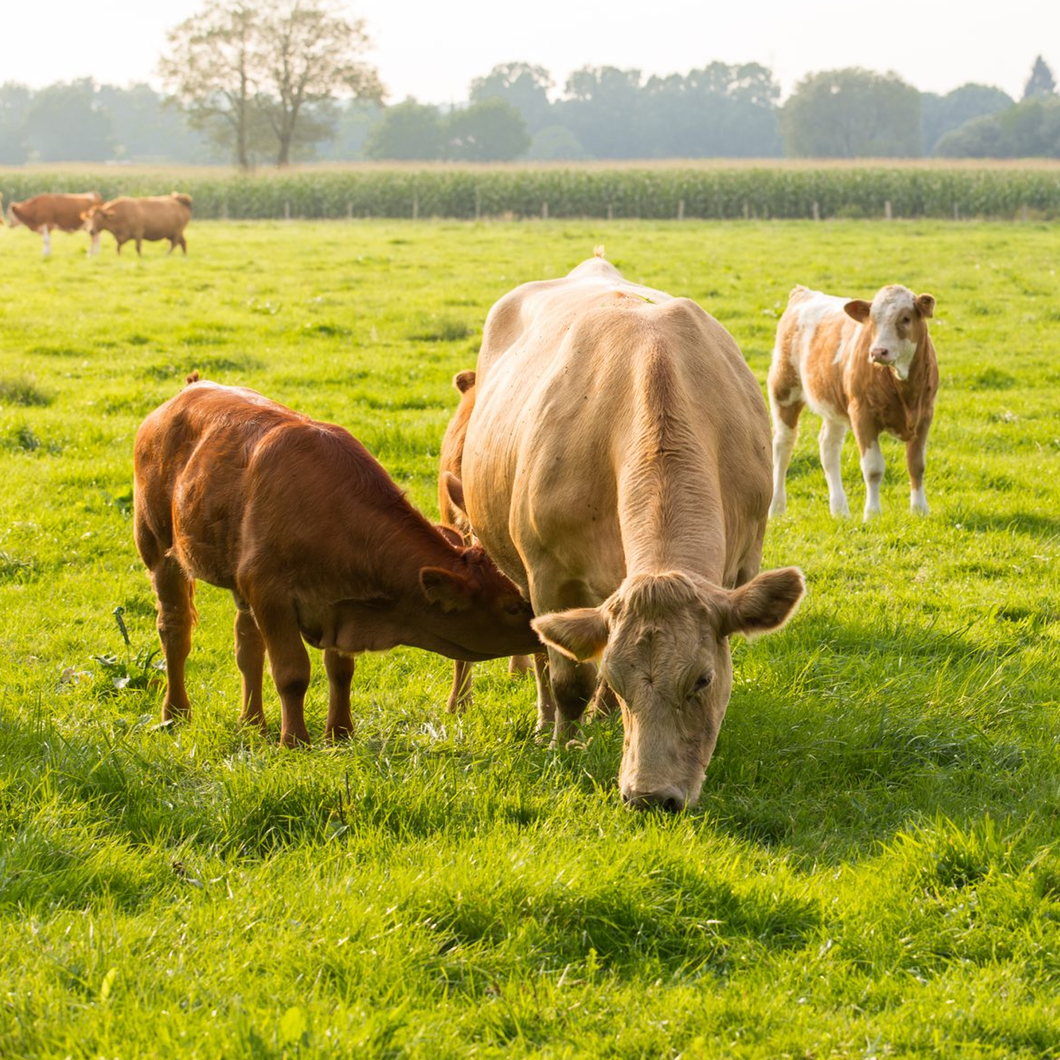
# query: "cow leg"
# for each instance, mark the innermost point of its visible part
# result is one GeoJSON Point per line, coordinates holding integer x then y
{"type": "Point", "coordinates": [460, 694]}
{"type": "Point", "coordinates": [138, 242]}
{"type": "Point", "coordinates": [184, 245]}
{"type": "Point", "coordinates": [872, 464]}
{"type": "Point", "coordinates": [93, 244]}
{"type": "Point", "coordinates": [519, 664]}
{"type": "Point", "coordinates": [546, 704]}
{"type": "Point", "coordinates": [289, 663]}
{"type": "Point", "coordinates": [339, 667]}
{"type": "Point", "coordinates": [833, 434]}
{"type": "Point", "coordinates": [117, 246]}
{"type": "Point", "coordinates": [785, 431]}
{"type": "Point", "coordinates": [46, 232]}
{"type": "Point", "coordinates": [250, 658]}
{"type": "Point", "coordinates": [176, 616]}
{"type": "Point", "coordinates": [573, 685]}
{"type": "Point", "coordinates": [172, 247]}
{"type": "Point", "coordinates": [916, 461]}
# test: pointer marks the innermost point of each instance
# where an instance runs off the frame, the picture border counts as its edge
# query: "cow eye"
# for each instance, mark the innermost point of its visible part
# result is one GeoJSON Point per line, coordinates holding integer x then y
{"type": "Point", "coordinates": [702, 683]}
{"type": "Point", "coordinates": [515, 608]}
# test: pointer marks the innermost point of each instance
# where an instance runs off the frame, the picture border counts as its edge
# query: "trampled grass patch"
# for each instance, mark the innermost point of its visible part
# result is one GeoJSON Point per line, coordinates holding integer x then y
{"type": "Point", "coordinates": [872, 869]}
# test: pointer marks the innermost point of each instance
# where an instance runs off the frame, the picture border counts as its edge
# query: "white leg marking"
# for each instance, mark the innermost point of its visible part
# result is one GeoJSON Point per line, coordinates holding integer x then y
{"type": "Point", "coordinates": [833, 432]}
{"type": "Point", "coordinates": [93, 246]}
{"type": "Point", "coordinates": [872, 468]}
{"type": "Point", "coordinates": [47, 241]}
{"type": "Point", "coordinates": [783, 444]}
{"type": "Point", "coordinates": [918, 501]}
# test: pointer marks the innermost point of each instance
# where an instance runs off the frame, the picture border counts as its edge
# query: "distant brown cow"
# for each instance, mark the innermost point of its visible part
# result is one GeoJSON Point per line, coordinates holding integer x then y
{"type": "Point", "coordinates": [866, 365]}
{"type": "Point", "coordinates": [153, 218]}
{"type": "Point", "coordinates": [45, 213]}
{"type": "Point", "coordinates": [313, 539]}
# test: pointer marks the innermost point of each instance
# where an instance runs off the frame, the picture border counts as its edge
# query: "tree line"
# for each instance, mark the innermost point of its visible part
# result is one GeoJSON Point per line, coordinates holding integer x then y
{"type": "Point", "coordinates": [278, 81]}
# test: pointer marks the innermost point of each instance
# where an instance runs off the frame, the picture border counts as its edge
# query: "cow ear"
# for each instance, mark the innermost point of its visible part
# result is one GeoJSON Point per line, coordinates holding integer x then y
{"type": "Point", "coordinates": [764, 603]}
{"type": "Point", "coordinates": [464, 381]}
{"type": "Point", "coordinates": [580, 634]}
{"type": "Point", "coordinates": [451, 592]}
{"type": "Point", "coordinates": [451, 535]}
{"type": "Point", "coordinates": [455, 488]}
{"type": "Point", "coordinates": [925, 303]}
{"type": "Point", "coordinates": [858, 309]}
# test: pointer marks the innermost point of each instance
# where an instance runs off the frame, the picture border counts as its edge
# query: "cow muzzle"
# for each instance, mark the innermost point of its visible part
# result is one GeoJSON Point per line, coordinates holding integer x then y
{"type": "Point", "coordinates": [881, 355]}
{"type": "Point", "coordinates": [669, 799]}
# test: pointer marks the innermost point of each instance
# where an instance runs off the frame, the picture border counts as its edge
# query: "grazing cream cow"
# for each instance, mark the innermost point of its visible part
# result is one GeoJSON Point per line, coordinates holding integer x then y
{"type": "Point", "coordinates": [152, 218]}
{"type": "Point", "coordinates": [315, 543]}
{"type": "Point", "coordinates": [617, 468]}
{"type": "Point", "coordinates": [866, 365]}
{"type": "Point", "coordinates": [48, 212]}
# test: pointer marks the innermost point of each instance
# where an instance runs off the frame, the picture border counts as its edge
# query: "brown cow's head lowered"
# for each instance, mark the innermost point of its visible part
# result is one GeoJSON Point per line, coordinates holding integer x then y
{"type": "Point", "coordinates": [896, 318]}
{"type": "Point", "coordinates": [665, 653]}
{"type": "Point", "coordinates": [95, 219]}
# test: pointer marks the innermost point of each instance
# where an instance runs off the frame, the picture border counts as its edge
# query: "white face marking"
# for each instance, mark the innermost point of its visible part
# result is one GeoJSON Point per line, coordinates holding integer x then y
{"type": "Point", "coordinates": [891, 307]}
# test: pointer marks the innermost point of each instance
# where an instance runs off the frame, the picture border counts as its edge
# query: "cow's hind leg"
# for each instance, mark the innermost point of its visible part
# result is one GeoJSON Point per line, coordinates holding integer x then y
{"type": "Point", "coordinates": [460, 693]}
{"type": "Point", "coordinates": [176, 616]}
{"type": "Point", "coordinates": [833, 434]}
{"type": "Point", "coordinates": [250, 658]}
{"type": "Point", "coordinates": [289, 663]}
{"type": "Point", "coordinates": [339, 667]}
{"type": "Point", "coordinates": [785, 432]}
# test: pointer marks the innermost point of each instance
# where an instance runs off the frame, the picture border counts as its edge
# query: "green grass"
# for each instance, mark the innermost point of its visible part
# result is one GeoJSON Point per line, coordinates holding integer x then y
{"type": "Point", "coordinates": [872, 869]}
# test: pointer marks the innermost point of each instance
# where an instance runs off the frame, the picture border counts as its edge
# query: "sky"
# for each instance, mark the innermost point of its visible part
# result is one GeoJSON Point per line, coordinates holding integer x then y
{"type": "Point", "coordinates": [432, 51]}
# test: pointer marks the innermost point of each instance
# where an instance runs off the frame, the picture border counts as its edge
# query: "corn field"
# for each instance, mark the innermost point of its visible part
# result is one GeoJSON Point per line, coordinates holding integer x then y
{"type": "Point", "coordinates": [650, 193]}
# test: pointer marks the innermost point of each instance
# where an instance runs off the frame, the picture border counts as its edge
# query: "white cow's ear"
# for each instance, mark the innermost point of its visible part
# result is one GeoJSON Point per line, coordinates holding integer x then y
{"type": "Point", "coordinates": [925, 303]}
{"type": "Point", "coordinates": [764, 603]}
{"type": "Point", "coordinates": [455, 488]}
{"type": "Point", "coordinates": [580, 634]}
{"type": "Point", "coordinates": [859, 309]}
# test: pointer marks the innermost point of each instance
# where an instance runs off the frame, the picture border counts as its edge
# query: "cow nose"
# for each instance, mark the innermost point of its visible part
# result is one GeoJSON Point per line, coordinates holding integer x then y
{"type": "Point", "coordinates": [880, 353]}
{"type": "Point", "coordinates": [669, 799]}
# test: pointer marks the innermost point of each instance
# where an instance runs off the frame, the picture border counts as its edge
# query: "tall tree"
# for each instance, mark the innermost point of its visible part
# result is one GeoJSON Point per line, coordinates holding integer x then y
{"type": "Point", "coordinates": [266, 73]}
{"type": "Point", "coordinates": [308, 54]}
{"type": "Point", "coordinates": [15, 101]}
{"type": "Point", "coordinates": [1040, 84]}
{"type": "Point", "coordinates": [524, 86]}
{"type": "Point", "coordinates": [942, 114]}
{"type": "Point", "coordinates": [852, 113]}
{"type": "Point", "coordinates": [212, 73]}
{"type": "Point", "coordinates": [64, 123]}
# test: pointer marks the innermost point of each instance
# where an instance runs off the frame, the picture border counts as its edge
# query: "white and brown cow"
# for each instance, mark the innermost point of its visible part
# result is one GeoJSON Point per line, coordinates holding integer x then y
{"type": "Point", "coordinates": [866, 365]}
{"type": "Point", "coordinates": [617, 468]}
{"type": "Point", "coordinates": [49, 212]}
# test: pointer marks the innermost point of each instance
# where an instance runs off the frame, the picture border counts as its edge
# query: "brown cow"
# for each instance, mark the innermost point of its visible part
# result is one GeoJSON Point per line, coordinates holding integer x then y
{"type": "Point", "coordinates": [617, 469]}
{"type": "Point", "coordinates": [866, 365]}
{"type": "Point", "coordinates": [313, 539]}
{"type": "Point", "coordinates": [151, 218]}
{"type": "Point", "coordinates": [48, 212]}
{"type": "Point", "coordinates": [453, 518]}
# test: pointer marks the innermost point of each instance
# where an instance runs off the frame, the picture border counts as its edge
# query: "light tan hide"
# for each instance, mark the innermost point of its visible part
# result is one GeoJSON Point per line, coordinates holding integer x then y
{"type": "Point", "coordinates": [869, 366]}
{"type": "Point", "coordinates": [617, 468]}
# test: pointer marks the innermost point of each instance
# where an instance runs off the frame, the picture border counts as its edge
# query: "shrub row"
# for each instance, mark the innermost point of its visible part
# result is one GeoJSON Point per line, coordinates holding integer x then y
{"type": "Point", "coordinates": [652, 194]}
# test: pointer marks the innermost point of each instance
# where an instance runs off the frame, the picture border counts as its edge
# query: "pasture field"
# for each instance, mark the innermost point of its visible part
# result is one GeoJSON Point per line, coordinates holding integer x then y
{"type": "Point", "coordinates": [873, 867]}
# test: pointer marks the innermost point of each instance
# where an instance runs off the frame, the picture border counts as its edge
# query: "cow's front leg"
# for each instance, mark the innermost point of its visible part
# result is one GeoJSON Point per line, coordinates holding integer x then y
{"type": "Point", "coordinates": [916, 462]}
{"type": "Point", "coordinates": [46, 232]}
{"type": "Point", "coordinates": [339, 667]}
{"type": "Point", "coordinates": [833, 434]}
{"type": "Point", "coordinates": [872, 463]}
{"type": "Point", "coordinates": [546, 704]}
{"type": "Point", "coordinates": [573, 685]}
{"type": "Point", "coordinates": [460, 693]}
{"type": "Point", "coordinates": [289, 662]}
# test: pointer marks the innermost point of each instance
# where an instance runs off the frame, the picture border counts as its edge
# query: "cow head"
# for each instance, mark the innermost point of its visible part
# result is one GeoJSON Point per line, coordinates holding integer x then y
{"type": "Point", "coordinates": [896, 318]}
{"type": "Point", "coordinates": [486, 612]}
{"type": "Point", "coordinates": [94, 220]}
{"type": "Point", "coordinates": [663, 643]}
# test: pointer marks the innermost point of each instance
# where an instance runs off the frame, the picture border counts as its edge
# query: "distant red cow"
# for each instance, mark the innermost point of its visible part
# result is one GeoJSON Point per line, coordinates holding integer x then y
{"type": "Point", "coordinates": [151, 218]}
{"type": "Point", "coordinates": [314, 541]}
{"type": "Point", "coordinates": [43, 213]}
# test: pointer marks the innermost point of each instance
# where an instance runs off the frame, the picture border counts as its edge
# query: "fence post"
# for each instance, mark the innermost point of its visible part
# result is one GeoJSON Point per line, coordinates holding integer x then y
{"type": "Point", "coordinates": [478, 203]}
{"type": "Point", "coordinates": [286, 209]}
{"type": "Point", "coordinates": [610, 212]}
{"type": "Point", "coordinates": [415, 206]}
{"type": "Point", "coordinates": [956, 213]}
{"type": "Point", "coordinates": [349, 211]}
{"type": "Point", "coordinates": [887, 209]}
{"type": "Point", "coordinates": [816, 211]}
{"type": "Point", "coordinates": [544, 211]}
{"type": "Point", "coordinates": [680, 209]}
{"type": "Point", "coordinates": [746, 210]}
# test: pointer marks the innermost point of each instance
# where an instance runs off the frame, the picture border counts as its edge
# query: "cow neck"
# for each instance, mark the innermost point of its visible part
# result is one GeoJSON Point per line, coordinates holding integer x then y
{"type": "Point", "coordinates": [669, 514]}
{"type": "Point", "coordinates": [909, 392]}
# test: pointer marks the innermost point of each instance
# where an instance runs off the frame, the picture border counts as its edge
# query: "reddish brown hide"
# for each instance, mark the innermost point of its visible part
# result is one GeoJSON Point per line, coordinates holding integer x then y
{"type": "Point", "coordinates": [314, 541]}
